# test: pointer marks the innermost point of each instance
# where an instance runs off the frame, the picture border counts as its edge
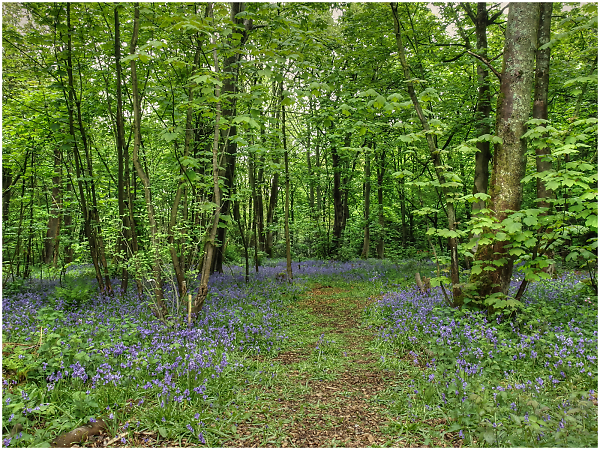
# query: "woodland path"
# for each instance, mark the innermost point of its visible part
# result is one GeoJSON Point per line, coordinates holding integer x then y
{"type": "Point", "coordinates": [336, 405]}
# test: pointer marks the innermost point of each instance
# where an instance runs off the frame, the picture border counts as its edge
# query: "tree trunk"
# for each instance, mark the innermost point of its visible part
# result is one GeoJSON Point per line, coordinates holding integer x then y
{"type": "Point", "coordinates": [380, 175]}
{"type": "Point", "coordinates": [271, 211]}
{"type": "Point", "coordinates": [259, 206]}
{"type": "Point", "coordinates": [160, 308]}
{"type": "Point", "coordinates": [125, 237]}
{"type": "Point", "coordinates": [540, 99]}
{"type": "Point", "coordinates": [79, 170]}
{"type": "Point", "coordinates": [338, 205]}
{"type": "Point", "coordinates": [51, 241]}
{"type": "Point", "coordinates": [288, 250]}
{"type": "Point", "coordinates": [513, 108]}
{"type": "Point", "coordinates": [257, 212]}
{"type": "Point", "coordinates": [209, 245]}
{"type": "Point", "coordinates": [367, 198]}
{"type": "Point", "coordinates": [179, 271]}
{"type": "Point", "coordinates": [230, 68]}
{"type": "Point", "coordinates": [437, 161]}
{"type": "Point", "coordinates": [482, 115]}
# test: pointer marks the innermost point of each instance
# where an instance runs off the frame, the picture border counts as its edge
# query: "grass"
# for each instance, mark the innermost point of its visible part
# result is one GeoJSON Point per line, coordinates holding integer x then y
{"type": "Point", "coordinates": [349, 355]}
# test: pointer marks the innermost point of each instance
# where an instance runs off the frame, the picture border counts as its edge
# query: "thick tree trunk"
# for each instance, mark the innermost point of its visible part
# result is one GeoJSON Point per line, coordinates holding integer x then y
{"type": "Point", "coordinates": [160, 308]}
{"type": "Point", "coordinates": [367, 200]}
{"type": "Point", "coordinates": [514, 106]}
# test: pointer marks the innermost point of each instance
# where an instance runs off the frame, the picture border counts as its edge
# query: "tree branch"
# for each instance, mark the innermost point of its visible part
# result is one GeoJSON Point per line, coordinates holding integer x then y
{"type": "Point", "coordinates": [495, 16]}
{"type": "Point", "coordinates": [486, 62]}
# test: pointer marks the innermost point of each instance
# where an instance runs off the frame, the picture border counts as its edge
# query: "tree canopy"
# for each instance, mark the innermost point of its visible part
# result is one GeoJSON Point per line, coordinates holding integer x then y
{"type": "Point", "coordinates": [162, 141]}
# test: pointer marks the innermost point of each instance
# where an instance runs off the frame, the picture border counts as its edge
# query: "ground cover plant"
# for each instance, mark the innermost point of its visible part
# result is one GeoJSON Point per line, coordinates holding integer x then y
{"type": "Point", "coordinates": [348, 345]}
{"type": "Point", "coordinates": [526, 380]}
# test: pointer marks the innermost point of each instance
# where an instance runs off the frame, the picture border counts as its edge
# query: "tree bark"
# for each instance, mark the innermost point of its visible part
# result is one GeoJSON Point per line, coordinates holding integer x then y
{"type": "Point", "coordinates": [271, 211]}
{"type": "Point", "coordinates": [540, 99]}
{"type": "Point", "coordinates": [482, 114]}
{"type": "Point", "coordinates": [437, 161]}
{"type": "Point", "coordinates": [338, 206]}
{"type": "Point", "coordinates": [177, 267]}
{"type": "Point", "coordinates": [209, 246]}
{"type": "Point", "coordinates": [86, 213]}
{"type": "Point", "coordinates": [51, 241]}
{"type": "Point", "coordinates": [513, 108]}
{"type": "Point", "coordinates": [380, 175]}
{"type": "Point", "coordinates": [230, 82]}
{"type": "Point", "coordinates": [288, 250]}
{"type": "Point", "coordinates": [367, 201]}
{"type": "Point", "coordinates": [125, 237]}
{"type": "Point", "coordinates": [160, 308]}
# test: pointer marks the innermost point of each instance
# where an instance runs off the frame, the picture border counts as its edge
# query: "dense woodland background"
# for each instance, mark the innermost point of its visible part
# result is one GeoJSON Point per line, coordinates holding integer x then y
{"type": "Point", "coordinates": [343, 130]}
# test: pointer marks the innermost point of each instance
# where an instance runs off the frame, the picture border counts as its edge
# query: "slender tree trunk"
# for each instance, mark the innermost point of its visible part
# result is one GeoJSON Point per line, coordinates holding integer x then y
{"type": "Point", "coordinates": [179, 271]}
{"type": "Point", "coordinates": [436, 157]}
{"type": "Point", "coordinates": [380, 175]}
{"type": "Point", "coordinates": [257, 212]}
{"type": "Point", "coordinates": [7, 182]}
{"type": "Point", "coordinates": [259, 207]}
{"type": "Point", "coordinates": [28, 250]}
{"type": "Point", "coordinates": [230, 68]}
{"type": "Point", "coordinates": [160, 308]}
{"type": "Point", "coordinates": [367, 198]}
{"type": "Point", "coordinates": [209, 246]}
{"type": "Point", "coordinates": [482, 115]}
{"type": "Point", "coordinates": [540, 99]}
{"type": "Point", "coordinates": [338, 206]}
{"type": "Point", "coordinates": [288, 251]}
{"type": "Point", "coordinates": [514, 106]}
{"type": "Point", "coordinates": [271, 212]}
{"type": "Point", "coordinates": [540, 107]}
{"type": "Point", "coordinates": [86, 213]}
{"type": "Point", "coordinates": [125, 238]}
{"type": "Point", "coordinates": [51, 241]}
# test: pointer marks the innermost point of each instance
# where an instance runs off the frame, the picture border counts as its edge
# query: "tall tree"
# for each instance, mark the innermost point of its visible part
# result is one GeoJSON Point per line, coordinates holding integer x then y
{"type": "Point", "coordinates": [540, 98]}
{"type": "Point", "coordinates": [160, 308]}
{"type": "Point", "coordinates": [513, 109]}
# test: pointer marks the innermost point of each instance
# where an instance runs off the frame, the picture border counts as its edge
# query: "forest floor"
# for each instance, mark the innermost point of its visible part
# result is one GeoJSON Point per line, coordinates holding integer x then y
{"type": "Point", "coordinates": [334, 408]}
{"type": "Point", "coordinates": [346, 356]}
{"type": "Point", "coordinates": [331, 394]}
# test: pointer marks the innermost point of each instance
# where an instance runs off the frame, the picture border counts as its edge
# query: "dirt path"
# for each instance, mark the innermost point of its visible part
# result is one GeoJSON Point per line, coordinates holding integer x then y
{"type": "Point", "coordinates": [326, 394]}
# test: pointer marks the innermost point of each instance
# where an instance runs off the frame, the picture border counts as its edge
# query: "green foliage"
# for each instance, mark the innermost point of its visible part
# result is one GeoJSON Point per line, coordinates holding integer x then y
{"type": "Point", "coordinates": [75, 293]}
